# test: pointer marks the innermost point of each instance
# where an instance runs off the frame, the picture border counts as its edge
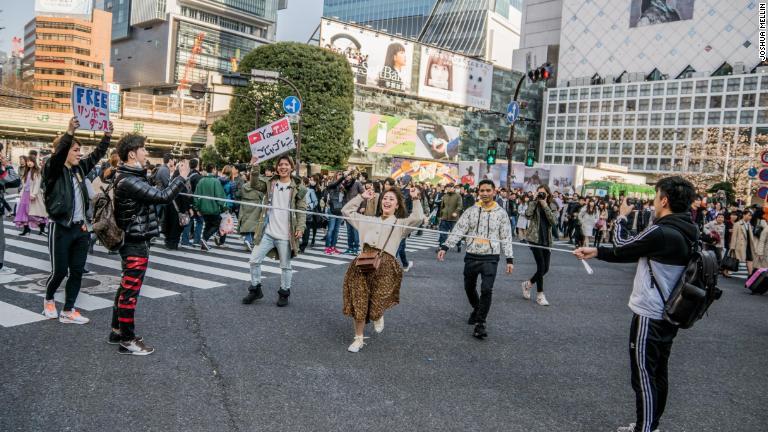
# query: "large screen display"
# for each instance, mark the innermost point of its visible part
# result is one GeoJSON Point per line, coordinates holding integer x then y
{"type": "Point", "coordinates": [397, 136]}
{"type": "Point", "coordinates": [455, 79]}
{"type": "Point", "coordinates": [649, 12]}
{"type": "Point", "coordinates": [64, 7]}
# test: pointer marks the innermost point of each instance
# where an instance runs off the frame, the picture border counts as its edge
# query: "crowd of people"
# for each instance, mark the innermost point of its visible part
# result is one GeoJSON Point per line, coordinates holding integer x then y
{"type": "Point", "coordinates": [278, 214]}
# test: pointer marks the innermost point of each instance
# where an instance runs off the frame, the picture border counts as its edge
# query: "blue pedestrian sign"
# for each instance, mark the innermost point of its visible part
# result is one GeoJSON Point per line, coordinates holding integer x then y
{"type": "Point", "coordinates": [513, 112]}
{"type": "Point", "coordinates": [292, 105]}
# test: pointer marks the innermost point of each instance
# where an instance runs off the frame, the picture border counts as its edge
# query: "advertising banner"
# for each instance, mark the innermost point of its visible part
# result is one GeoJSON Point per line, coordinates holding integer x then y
{"type": "Point", "coordinates": [64, 7]}
{"type": "Point", "coordinates": [425, 171]}
{"type": "Point", "coordinates": [469, 172]}
{"type": "Point", "coordinates": [454, 78]}
{"type": "Point", "coordinates": [114, 97]}
{"type": "Point", "coordinates": [397, 136]}
{"type": "Point", "coordinates": [377, 59]}
{"type": "Point", "coordinates": [649, 12]}
{"type": "Point", "coordinates": [272, 140]}
{"type": "Point", "coordinates": [91, 107]}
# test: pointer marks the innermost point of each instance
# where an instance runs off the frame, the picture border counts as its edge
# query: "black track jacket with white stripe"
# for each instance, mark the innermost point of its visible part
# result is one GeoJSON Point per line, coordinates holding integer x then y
{"type": "Point", "coordinates": [666, 245]}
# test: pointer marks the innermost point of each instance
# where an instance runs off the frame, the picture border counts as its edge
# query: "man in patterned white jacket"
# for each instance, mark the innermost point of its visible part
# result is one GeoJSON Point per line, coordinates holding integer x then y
{"type": "Point", "coordinates": [488, 220]}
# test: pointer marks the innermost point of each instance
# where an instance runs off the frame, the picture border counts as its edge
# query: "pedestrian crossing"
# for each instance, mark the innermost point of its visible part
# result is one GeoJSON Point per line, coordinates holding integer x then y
{"type": "Point", "coordinates": [177, 271]}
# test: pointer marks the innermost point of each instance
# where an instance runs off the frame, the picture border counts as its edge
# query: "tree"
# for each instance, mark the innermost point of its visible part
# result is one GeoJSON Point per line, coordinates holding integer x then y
{"type": "Point", "coordinates": [209, 156]}
{"type": "Point", "coordinates": [324, 79]}
{"type": "Point", "coordinates": [722, 158]}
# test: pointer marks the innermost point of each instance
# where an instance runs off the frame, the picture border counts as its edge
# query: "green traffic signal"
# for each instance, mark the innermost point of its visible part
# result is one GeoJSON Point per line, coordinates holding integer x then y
{"type": "Point", "coordinates": [530, 158]}
{"type": "Point", "coordinates": [490, 156]}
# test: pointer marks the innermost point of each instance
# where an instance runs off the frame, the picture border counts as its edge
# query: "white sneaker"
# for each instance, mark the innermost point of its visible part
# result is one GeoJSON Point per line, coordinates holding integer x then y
{"type": "Point", "coordinates": [7, 271]}
{"type": "Point", "coordinates": [49, 309]}
{"type": "Point", "coordinates": [72, 317]}
{"type": "Point", "coordinates": [527, 290]}
{"type": "Point", "coordinates": [630, 428]}
{"type": "Point", "coordinates": [541, 300]}
{"type": "Point", "coordinates": [378, 325]}
{"type": "Point", "coordinates": [410, 266]}
{"type": "Point", "coordinates": [357, 345]}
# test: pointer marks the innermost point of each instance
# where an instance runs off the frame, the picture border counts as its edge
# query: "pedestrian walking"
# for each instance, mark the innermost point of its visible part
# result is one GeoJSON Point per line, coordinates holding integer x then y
{"type": "Point", "coordinates": [66, 201]}
{"type": "Point", "coordinates": [743, 241]}
{"type": "Point", "coordinates": [30, 211]}
{"type": "Point", "coordinates": [352, 188]}
{"type": "Point", "coordinates": [7, 176]}
{"type": "Point", "coordinates": [278, 229]}
{"type": "Point", "coordinates": [249, 216]}
{"type": "Point", "coordinates": [541, 214]}
{"type": "Point", "coordinates": [522, 220]}
{"type": "Point", "coordinates": [334, 195]}
{"type": "Point", "coordinates": [135, 213]}
{"type": "Point", "coordinates": [588, 217]}
{"type": "Point", "coordinates": [368, 293]}
{"type": "Point", "coordinates": [210, 210]}
{"type": "Point", "coordinates": [451, 209]}
{"type": "Point", "coordinates": [488, 220]}
{"type": "Point", "coordinates": [312, 205]}
{"type": "Point", "coordinates": [194, 228]}
{"type": "Point", "coordinates": [662, 253]}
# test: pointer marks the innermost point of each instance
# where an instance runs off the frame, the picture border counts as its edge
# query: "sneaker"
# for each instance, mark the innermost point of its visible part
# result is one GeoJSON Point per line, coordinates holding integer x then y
{"type": "Point", "coordinates": [254, 293]}
{"type": "Point", "coordinates": [328, 251]}
{"type": "Point", "coordinates": [472, 318]}
{"type": "Point", "coordinates": [216, 240]}
{"type": "Point", "coordinates": [630, 428]}
{"type": "Point", "coordinates": [72, 317]}
{"type": "Point", "coordinates": [527, 290]}
{"type": "Point", "coordinates": [7, 271]}
{"type": "Point", "coordinates": [248, 245]}
{"type": "Point", "coordinates": [135, 346]}
{"type": "Point", "coordinates": [349, 252]}
{"type": "Point", "coordinates": [357, 345]}
{"type": "Point", "coordinates": [204, 246]}
{"type": "Point", "coordinates": [49, 309]}
{"type": "Point", "coordinates": [541, 300]}
{"type": "Point", "coordinates": [378, 325]}
{"type": "Point", "coordinates": [480, 332]}
{"type": "Point", "coordinates": [336, 251]}
{"type": "Point", "coordinates": [115, 338]}
{"type": "Point", "coordinates": [410, 266]}
{"type": "Point", "coordinates": [282, 300]}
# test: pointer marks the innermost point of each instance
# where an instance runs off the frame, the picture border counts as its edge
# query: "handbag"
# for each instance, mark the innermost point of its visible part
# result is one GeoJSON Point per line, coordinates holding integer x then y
{"type": "Point", "coordinates": [227, 225]}
{"type": "Point", "coordinates": [729, 262]}
{"type": "Point", "coordinates": [369, 262]}
{"type": "Point", "coordinates": [183, 216]}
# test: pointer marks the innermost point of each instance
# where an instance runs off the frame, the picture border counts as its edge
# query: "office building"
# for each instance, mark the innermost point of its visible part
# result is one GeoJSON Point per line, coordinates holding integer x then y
{"type": "Point", "coordinates": [66, 47]}
{"type": "Point", "coordinates": [656, 92]}
{"type": "Point", "coordinates": [540, 35]}
{"type": "Point", "coordinates": [186, 41]}
{"type": "Point", "coordinates": [486, 29]}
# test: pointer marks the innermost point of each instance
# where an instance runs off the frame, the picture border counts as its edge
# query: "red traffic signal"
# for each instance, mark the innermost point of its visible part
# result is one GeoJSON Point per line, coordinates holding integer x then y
{"type": "Point", "coordinates": [541, 73]}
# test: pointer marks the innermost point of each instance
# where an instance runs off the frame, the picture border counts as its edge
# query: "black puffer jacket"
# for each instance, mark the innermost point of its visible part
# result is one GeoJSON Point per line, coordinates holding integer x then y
{"type": "Point", "coordinates": [135, 201]}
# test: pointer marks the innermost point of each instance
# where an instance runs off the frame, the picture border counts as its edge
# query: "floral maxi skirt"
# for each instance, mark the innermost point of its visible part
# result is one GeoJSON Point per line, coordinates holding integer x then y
{"type": "Point", "coordinates": [367, 296]}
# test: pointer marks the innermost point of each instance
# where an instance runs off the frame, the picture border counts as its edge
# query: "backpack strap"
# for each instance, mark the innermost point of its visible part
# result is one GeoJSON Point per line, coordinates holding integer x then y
{"type": "Point", "coordinates": [653, 281]}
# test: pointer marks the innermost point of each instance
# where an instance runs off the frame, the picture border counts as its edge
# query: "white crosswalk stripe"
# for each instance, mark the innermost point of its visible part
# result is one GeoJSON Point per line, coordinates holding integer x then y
{"type": "Point", "coordinates": [176, 271]}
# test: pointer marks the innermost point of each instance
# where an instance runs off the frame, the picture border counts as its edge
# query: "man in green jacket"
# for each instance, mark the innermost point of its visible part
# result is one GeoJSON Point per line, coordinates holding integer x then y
{"type": "Point", "coordinates": [210, 209]}
{"type": "Point", "coordinates": [451, 208]}
{"type": "Point", "coordinates": [278, 229]}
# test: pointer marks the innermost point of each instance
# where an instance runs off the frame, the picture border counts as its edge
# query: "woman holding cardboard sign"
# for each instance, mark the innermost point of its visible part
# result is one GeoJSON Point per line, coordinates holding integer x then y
{"type": "Point", "coordinates": [372, 281]}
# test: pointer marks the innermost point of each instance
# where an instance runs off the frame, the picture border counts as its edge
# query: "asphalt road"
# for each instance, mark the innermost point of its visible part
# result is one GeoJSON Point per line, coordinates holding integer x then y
{"type": "Point", "coordinates": [223, 366]}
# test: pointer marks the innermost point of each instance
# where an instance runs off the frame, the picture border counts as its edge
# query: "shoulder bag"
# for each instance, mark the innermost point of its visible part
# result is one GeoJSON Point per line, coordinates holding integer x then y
{"type": "Point", "coordinates": [369, 262]}
{"type": "Point", "coordinates": [730, 262]}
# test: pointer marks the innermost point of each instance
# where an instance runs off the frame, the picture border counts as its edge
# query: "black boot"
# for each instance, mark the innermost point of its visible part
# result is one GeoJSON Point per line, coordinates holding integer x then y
{"type": "Point", "coordinates": [480, 332]}
{"type": "Point", "coordinates": [254, 293]}
{"type": "Point", "coordinates": [25, 231]}
{"type": "Point", "coordinates": [283, 299]}
{"type": "Point", "coordinates": [472, 317]}
{"type": "Point", "coordinates": [42, 230]}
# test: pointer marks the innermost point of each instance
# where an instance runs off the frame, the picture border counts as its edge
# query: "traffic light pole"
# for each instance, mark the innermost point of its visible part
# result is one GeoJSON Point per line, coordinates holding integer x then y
{"type": "Point", "coordinates": [510, 144]}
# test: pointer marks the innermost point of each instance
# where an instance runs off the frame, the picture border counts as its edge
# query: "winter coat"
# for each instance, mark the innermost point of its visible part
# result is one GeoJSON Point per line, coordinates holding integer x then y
{"type": "Point", "coordinates": [210, 186]}
{"type": "Point", "coordinates": [739, 240]}
{"type": "Point", "coordinates": [451, 207]}
{"type": "Point", "coordinates": [135, 201]}
{"type": "Point", "coordinates": [248, 221]}
{"type": "Point", "coordinates": [532, 214]}
{"type": "Point", "coordinates": [36, 197]}
{"type": "Point", "coordinates": [492, 223]}
{"type": "Point", "coordinates": [265, 185]}
{"type": "Point", "coordinates": [588, 221]}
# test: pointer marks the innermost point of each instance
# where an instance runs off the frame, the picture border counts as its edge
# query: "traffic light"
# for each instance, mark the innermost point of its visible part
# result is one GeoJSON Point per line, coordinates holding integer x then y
{"type": "Point", "coordinates": [235, 80]}
{"type": "Point", "coordinates": [490, 155]}
{"type": "Point", "coordinates": [542, 73]}
{"type": "Point", "coordinates": [530, 157]}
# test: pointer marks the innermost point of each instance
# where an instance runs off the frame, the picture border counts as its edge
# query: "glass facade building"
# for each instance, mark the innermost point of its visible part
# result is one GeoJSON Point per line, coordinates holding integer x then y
{"type": "Point", "coordinates": [216, 54]}
{"type": "Point", "coordinates": [397, 17]}
{"type": "Point", "coordinates": [657, 127]}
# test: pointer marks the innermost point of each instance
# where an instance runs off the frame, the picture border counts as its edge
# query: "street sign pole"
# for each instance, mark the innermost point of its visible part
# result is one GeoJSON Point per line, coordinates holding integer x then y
{"type": "Point", "coordinates": [511, 141]}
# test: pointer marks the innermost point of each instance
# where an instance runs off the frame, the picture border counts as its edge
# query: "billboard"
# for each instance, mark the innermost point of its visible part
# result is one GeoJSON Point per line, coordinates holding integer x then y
{"type": "Point", "coordinates": [454, 78]}
{"type": "Point", "coordinates": [425, 171]}
{"type": "Point", "coordinates": [64, 7]}
{"type": "Point", "coordinates": [377, 60]}
{"type": "Point", "coordinates": [398, 136]}
{"type": "Point", "coordinates": [649, 12]}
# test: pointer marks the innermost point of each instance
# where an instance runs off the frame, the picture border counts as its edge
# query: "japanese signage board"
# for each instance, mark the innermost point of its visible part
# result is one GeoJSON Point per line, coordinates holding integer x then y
{"type": "Point", "coordinates": [272, 140]}
{"type": "Point", "coordinates": [91, 107]}
{"type": "Point", "coordinates": [114, 97]}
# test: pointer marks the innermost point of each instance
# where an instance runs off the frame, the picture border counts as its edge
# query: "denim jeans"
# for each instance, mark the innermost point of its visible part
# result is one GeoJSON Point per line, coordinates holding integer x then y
{"type": "Point", "coordinates": [260, 252]}
{"type": "Point", "coordinates": [197, 221]}
{"type": "Point", "coordinates": [401, 253]}
{"type": "Point", "coordinates": [332, 233]}
{"type": "Point", "coordinates": [446, 226]}
{"type": "Point", "coordinates": [353, 238]}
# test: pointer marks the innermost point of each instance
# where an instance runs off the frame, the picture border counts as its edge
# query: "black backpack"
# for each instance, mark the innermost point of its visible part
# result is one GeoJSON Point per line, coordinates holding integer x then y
{"type": "Point", "coordinates": [695, 291]}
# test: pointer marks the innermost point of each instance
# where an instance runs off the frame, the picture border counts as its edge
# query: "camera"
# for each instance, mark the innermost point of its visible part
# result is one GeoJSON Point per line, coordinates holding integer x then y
{"type": "Point", "coordinates": [632, 202]}
{"type": "Point", "coordinates": [541, 196]}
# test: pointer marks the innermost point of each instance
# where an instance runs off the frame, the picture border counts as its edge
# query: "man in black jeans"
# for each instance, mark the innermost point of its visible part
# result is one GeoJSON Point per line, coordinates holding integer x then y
{"type": "Point", "coordinates": [66, 201]}
{"type": "Point", "coordinates": [662, 252]}
{"type": "Point", "coordinates": [135, 203]}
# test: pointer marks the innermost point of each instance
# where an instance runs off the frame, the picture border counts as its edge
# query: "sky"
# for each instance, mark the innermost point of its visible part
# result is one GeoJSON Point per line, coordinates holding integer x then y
{"type": "Point", "coordinates": [297, 23]}
{"type": "Point", "coordinates": [15, 14]}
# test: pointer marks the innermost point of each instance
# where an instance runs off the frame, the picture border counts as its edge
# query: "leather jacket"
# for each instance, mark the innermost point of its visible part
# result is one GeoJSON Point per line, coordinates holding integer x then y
{"type": "Point", "coordinates": [135, 201]}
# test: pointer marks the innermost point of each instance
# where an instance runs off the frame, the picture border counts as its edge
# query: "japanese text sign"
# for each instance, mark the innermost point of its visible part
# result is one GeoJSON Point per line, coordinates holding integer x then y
{"type": "Point", "coordinates": [272, 140]}
{"type": "Point", "coordinates": [91, 107]}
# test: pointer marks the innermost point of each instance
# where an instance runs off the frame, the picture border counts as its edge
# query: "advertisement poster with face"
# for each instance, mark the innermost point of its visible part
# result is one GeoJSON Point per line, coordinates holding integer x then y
{"type": "Point", "coordinates": [454, 78]}
{"type": "Point", "coordinates": [425, 171]}
{"type": "Point", "coordinates": [377, 59]}
{"type": "Point", "coordinates": [562, 178]}
{"type": "Point", "coordinates": [436, 141]}
{"type": "Point", "coordinates": [468, 172]}
{"type": "Point", "coordinates": [535, 177]}
{"type": "Point", "coordinates": [650, 12]}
